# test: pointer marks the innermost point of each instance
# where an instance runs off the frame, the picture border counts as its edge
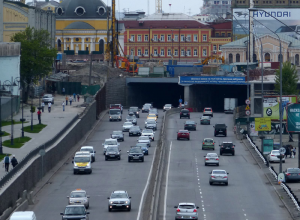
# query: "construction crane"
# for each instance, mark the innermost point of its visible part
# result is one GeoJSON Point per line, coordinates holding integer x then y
{"type": "Point", "coordinates": [158, 6]}
{"type": "Point", "coordinates": [213, 57]}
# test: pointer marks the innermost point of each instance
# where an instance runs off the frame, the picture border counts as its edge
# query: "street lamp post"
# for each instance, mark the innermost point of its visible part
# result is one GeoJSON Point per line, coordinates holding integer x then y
{"type": "Point", "coordinates": [1, 133]}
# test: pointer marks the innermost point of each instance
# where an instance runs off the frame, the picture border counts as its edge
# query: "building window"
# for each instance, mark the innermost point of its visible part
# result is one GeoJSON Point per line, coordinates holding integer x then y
{"type": "Point", "coordinates": [176, 37]}
{"type": "Point", "coordinates": [132, 38]}
{"type": "Point", "coordinates": [204, 53]}
{"type": "Point", "coordinates": [182, 38]}
{"type": "Point", "coordinates": [220, 47]}
{"type": "Point", "coordinates": [77, 39]}
{"type": "Point", "coordinates": [139, 38]}
{"type": "Point", "coordinates": [146, 52]}
{"type": "Point", "coordinates": [182, 52]}
{"type": "Point", "coordinates": [237, 58]}
{"type": "Point", "coordinates": [188, 52]}
{"type": "Point", "coordinates": [188, 37]}
{"type": "Point", "coordinates": [139, 52]}
{"type": "Point", "coordinates": [162, 52]}
{"type": "Point", "coordinates": [195, 38]}
{"type": "Point", "coordinates": [155, 52]}
{"type": "Point", "coordinates": [169, 37]}
{"type": "Point", "coordinates": [230, 58]}
{"type": "Point", "coordinates": [86, 39]}
{"type": "Point", "coordinates": [214, 47]}
{"type": "Point", "coordinates": [217, 34]}
{"type": "Point", "coordinates": [162, 38]}
{"type": "Point", "coordinates": [155, 38]}
{"type": "Point", "coordinates": [195, 52]}
{"type": "Point", "coordinates": [146, 38]}
{"type": "Point", "coordinates": [223, 34]}
{"type": "Point", "coordinates": [175, 52]}
{"type": "Point", "coordinates": [79, 10]}
{"type": "Point", "coordinates": [132, 52]}
{"type": "Point", "coordinates": [204, 37]}
{"type": "Point", "coordinates": [228, 34]}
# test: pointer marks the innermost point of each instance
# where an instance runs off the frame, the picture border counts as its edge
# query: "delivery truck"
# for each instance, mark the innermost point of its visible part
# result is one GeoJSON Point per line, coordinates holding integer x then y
{"type": "Point", "coordinates": [230, 104]}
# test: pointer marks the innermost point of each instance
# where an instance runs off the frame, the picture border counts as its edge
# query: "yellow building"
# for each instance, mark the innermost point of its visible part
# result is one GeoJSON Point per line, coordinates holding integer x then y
{"type": "Point", "coordinates": [81, 26]}
{"type": "Point", "coordinates": [16, 16]}
{"type": "Point", "coordinates": [45, 5]}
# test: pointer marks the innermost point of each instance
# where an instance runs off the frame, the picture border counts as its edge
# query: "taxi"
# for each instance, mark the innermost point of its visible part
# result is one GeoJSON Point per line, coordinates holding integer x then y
{"type": "Point", "coordinates": [79, 197]}
{"type": "Point", "coordinates": [152, 116]}
{"type": "Point", "coordinates": [82, 164]}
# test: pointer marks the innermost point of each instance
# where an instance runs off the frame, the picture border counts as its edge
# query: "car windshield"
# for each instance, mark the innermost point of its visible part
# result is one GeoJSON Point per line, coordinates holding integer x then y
{"type": "Point", "coordinates": [87, 149]}
{"type": "Point", "coordinates": [82, 159]}
{"type": "Point", "coordinates": [275, 152]}
{"type": "Point", "coordinates": [114, 112]}
{"type": "Point", "coordinates": [185, 111]}
{"type": "Point", "coordinates": [227, 144]}
{"type": "Point", "coordinates": [152, 115]}
{"type": "Point", "coordinates": [147, 131]}
{"type": "Point", "coordinates": [133, 109]}
{"type": "Point", "coordinates": [293, 170]}
{"type": "Point", "coordinates": [135, 150]}
{"type": "Point", "coordinates": [168, 105]}
{"type": "Point", "coordinates": [134, 129]}
{"type": "Point", "coordinates": [111, 149]}
{"type": "Point", "coordinates": [118, 195]}
{"type": "Point", "coordinates": [75, 211]}
{"type": "Point", "coordinates": [151, 122]}
{"type": "Point", "coordinates": [183, 131]}
{"type": "Point", "coordinates": [186, 207]}
{"type": "Point", "coordinates": [130, 117]}
{"type": "Point", "coordinates": [141, 145]}
{"type": "Point", "coordinates": [212, 155]}
{"type": "Point", "coordinates": [143, 138]}
{"type": "Point", "coordinates": [47, 96]}
{"type": "Point", "coordinates": [208, 141]}
{"type": "Point", "coordinates": [111, 142]}
{"type": "Point", "coordinates": [146, 106]}
{"type": "Point", "coordinates": [117, 132]}
{"type": "Point", "coordinates": [219, 172]}
{"type": "Point", "coordinates": [77, 194]}
{"type": "Point", "coordinates": [205, 117]}
{"type": "Point", "coordinates": [189, 122]}
{"type": "Point", "coordinates": [127, 123]}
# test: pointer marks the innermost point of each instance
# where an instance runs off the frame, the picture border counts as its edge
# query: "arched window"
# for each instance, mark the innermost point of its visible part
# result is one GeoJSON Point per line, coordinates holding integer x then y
{"type": "Point", "coordinates": [59, 45]}
{"type": "Point", "coordinates": [237, 58]}
{"type": "Point", "coordinates": [101, 46]}
{"type": "Point", "coordinates": [230, 58]}
{"type": "Point", "coordinates": [297, 60]}
{"type": "Point", "coordinates": [267, 57]}
{"type": "Point", "coordinates": [254, 58]}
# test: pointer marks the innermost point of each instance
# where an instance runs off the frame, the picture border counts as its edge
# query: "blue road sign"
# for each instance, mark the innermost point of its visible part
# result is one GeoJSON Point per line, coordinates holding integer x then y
{"type": "Point", "coordinates": [211, 80]}
{"type": "Point", "coordinates": [180, 100]}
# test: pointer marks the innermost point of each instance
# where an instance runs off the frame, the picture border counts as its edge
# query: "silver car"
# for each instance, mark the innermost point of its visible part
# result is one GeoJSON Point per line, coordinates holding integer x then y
{"type": "Point", "coordinates": [167, 107]}
{"type": "Point", "coordinates": [211, 158]}
{"type": "Point", "coordinates": [109, 142]}
{"type": "Point", "coordinates": [79, 197]}
{"type": "Point", "coordinates": [91, 150]}
{"type": "Point", "coordinates": [119, 200]}
{"type": "Point", "coordinates": [132, 119]}
{"type": "Point", "coordinates": [272, 157]}
{"type": "Point", "coordinates": [218, 176]}
{"type": "Point", "coordinates": [127, 125]}
{"type": "Point", "coordinates": [144, 139]}
{"type": "Point", "coordinates": [151, 125]}
{"type": "Point", "coordinates": [186, 210]}
{"type": "Point", "coordinates": [48, 98]}
{"type": "Point", "coordinates": [150, 120]}
{"type": "Point", "coordinates": [149, 133]}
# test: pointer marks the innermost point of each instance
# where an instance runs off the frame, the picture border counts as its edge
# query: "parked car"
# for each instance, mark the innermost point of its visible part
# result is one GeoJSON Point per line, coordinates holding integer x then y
{"type": "Point", "coordinates": [205, 120]}
{"type": "Point", "coordinates": [211, 158]}
{"type": "Point", "coordinates": [218, 176]}
{"type": "Point", "coordinates": [183, 134]}
{"type": "Point", "coordinates": [48, 98]}
{"type": "Point", "coordinates": [227, 147]}
{"type": "Point", "coordinates": [208, 143]}
{"type": "Point", "coordinates": [273, 157]}
{"type": "Point", "coordinates": [220, 129]}
{"type": "Point", "coordinates": [117, 135]}
{"type": "Point", "coordinates": [208, 112]}
{"type": "Point", "coordinates": [167, 107]}
{"type": "Point", "coordinates": [292, 174]}
{"type": "Point", "coordinates": [184, 113]}
{"type": "Point", "coordinates": [190, 125]}
{"type": "Point", "coordinates": [186, 210]}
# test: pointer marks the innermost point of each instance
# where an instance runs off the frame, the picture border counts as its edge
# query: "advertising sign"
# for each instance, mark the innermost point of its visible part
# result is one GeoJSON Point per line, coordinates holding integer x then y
{"type": "Point", "coordinates": [253, 132]}
{"type": "Point", "coordinates": [290, 16]}
{"type": "Point", "coordinates": [275, 129]}
{"type": "Point", "coordinates": [262, 124]}
{"type": "Point", "coordinates": [272, 104]}
{"type": "Point", "coordinates": [210, 80]}
{"type": "Point", "coordinates": [293, 118]}
{"type": "Point", "coordinates": [267, 146]}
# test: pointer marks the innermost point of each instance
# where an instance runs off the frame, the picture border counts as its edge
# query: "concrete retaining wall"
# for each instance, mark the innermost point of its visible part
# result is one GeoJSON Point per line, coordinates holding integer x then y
{"type": "Point", "coordinates": [6, 107]}
{"type": "Point", "coordinates": [27, 179]}
{"type": "Point", "coordinates": [116, 91]}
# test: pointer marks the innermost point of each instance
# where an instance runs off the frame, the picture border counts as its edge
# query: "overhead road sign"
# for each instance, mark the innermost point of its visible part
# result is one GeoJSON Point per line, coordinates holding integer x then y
{"type": "Point", "coordinates": [183, 80]}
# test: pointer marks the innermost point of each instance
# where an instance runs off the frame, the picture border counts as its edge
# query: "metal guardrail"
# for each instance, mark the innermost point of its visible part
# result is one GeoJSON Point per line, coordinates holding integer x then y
{"type": "Point", "coordinates": [33, 153]}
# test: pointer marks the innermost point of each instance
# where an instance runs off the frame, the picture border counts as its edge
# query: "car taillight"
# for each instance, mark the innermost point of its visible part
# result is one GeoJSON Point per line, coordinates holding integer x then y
{"type": "Point", "coordinates": [195, 210]}
{"type": "Point", "coordinates": [217, 159]}
{"type": "Point", "coordinates": [213, 143]}
{"type": "Point", "coordinates": [225, 177]}
{"type": "Point", "coordinates": [206, 159]}
{"type": "Point", "coordinates": [203, 142]}
{"type": "Point", "coordinates": [178, 210]}
{"type": "Point", "coordinates": [288, 174]}
{"type": "Point", "coordinates": [181, 113]}
{"type": "Point", "coordinates": [232, 146]}
{"type": "Point", "coordinates": [273, 155]}
{"type": "Point", "coordinates": [222, 146]}
{"type": "Point", "coordinates": [213, 177]}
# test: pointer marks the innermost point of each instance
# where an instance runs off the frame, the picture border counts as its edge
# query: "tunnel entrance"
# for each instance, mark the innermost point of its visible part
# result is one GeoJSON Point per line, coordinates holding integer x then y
{"type": "Point", "coordinates": [157, 93]}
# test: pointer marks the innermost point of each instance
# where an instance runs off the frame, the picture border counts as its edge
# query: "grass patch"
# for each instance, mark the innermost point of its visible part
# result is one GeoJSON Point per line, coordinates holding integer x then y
{"type": "Point", "coordinates": [36, 128]}
{"type": "Point", "coordinates": [5, 123]}
{"type": "Point", "coordinates": [4, 134]}
{"type": "Point", "coordinates": [18, 142]}
{"type": "Point", "coordinates": [2, 156]}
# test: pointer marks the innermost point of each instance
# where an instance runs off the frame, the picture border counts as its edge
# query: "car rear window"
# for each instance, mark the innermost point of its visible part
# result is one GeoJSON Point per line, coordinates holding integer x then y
{"type": "Point", "coordinates": [209, 141]}
{"type": "Point", "coordinates": [220, 126]}
{"type": "Point", "coordinates": [211, 155]}
{"type": "Point", "coordinates": [227, 144]}
{"type": "Point", "coordinates": [294, 170]}
{"type": "Point", "coordinates": [207, 109]}
{"type": "Point", "coordinates": [186, 206]}
{"type": "Point", "coordinates": [189, 122]}
{"type": "Point", "coordinates": [185, 111]}
{"type": "Point", "coordinates": [182, 131]}
{"type": "Point", "coordinates": [219, 172]}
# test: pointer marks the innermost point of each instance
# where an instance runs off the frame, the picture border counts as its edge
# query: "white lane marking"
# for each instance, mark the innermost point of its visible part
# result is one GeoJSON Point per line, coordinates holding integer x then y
{"type": "Point", "coordinates": [167, 182]}
{"type": "Point", "coordinates": [147, 184]}
{"type": "Point", "coordinates": [199, 185]}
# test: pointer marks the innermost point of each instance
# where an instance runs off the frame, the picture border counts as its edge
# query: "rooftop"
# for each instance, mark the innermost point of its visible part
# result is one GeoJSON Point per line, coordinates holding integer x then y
{"type": "Point", "coordinates": [168, 16]}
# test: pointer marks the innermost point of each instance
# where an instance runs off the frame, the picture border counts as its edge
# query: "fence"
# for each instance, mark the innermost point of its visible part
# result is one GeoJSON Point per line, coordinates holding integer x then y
{"type": "Point", "coordinates": [100, 98]}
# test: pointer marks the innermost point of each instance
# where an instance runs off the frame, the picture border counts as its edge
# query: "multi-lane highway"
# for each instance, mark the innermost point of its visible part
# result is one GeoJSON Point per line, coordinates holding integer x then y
{"type": "Point", "coordinates": [107, 176]}
{"type": "Point", "coordinates": [248, 195]}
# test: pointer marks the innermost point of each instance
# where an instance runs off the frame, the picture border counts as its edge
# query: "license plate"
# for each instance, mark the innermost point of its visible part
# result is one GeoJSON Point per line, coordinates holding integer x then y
{"type": "Point", "coordinates": [134, 133]}
{"type": "Point", "coordinates": [81, 169]}
{"type": "Point", "coordinates": [220, 131]}
{"type": "Point", "coordinates": [136, 157]}
{"type": "Point", "coordinates": [112, 155]}
{"type": "Point", "coordinates": [294, 174]}
{"type": "Point", "coordinates": [227, 148]}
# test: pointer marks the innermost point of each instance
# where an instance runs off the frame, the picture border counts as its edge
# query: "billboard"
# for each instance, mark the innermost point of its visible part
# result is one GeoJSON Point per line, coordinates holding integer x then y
{"type": "Point", "coordinates": [272, 105]}
{"type": "Point", "coordinates": [262, 124]}
{"type": "Point", "coordinates": [290, 16]}
{"type": "Point", "coordinates": [211, 80]}
{"type": "Point", "coordinates": [293, 118]}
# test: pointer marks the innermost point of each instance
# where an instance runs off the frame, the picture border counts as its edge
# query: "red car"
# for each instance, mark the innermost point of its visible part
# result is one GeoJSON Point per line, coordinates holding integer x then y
{"type": "Point", "coordinates": [183, 134]}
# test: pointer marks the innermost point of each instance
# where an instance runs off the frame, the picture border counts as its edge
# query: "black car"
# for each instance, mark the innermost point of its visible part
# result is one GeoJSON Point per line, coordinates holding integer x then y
{"type": "Point", "coordinates": [185, 113]}
{"type": "Point", "coordinates": [75, 212]}
{"type": "Point", "coordinates": [151, 125]}
{"type": "Point", "coordinates": [112, 153]}
{"type": "Point", "coordinates": [227, 147]}
{"type": "Point", "coordinates": [190, 125]}
{"type": "Point", "coordinates": [135, 131]}
{"type": "Point", "coordinates": [117, 135]}
{"type": "Point", "coordinates": [135, 111]}
{"type": "Point", "coordinates": [292, 174]}
{"type": "Point", "coordinates": [144, 147]}
{"type": "Point", "coordinates": [220, 129]}
{"type": "Point", "coordinates": [135, 153]}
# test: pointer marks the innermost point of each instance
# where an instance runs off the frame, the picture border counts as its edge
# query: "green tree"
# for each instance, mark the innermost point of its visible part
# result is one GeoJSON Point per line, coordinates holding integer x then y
{"type": "Point", "coordinates": [37, 55]}
{"type": "Point", "coordinates": [289, 79]}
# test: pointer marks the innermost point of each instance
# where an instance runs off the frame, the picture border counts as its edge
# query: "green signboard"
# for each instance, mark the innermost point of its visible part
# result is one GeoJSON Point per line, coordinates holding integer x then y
{"type": "Point", "coordinates": [272, 106]}
{"type": "Point", "coordinates": [267, 146]}
{"type": "Point", "coordinates": [293, 117]}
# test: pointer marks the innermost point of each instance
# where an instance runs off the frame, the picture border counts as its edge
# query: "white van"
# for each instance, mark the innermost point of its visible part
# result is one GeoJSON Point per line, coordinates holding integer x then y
{"type": "Point", "coordinates": [27, 215]}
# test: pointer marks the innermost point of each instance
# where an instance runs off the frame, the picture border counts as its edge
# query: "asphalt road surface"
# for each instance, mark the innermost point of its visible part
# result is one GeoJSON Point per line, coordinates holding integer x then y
{"type": "Point", "coordinates": [106, 177]}
{"type": "Point", "coordinates": [248, 196]}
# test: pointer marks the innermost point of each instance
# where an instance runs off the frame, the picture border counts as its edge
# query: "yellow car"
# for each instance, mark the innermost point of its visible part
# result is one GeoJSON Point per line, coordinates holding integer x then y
{"type": "Point", "coordinates": [152, 116]}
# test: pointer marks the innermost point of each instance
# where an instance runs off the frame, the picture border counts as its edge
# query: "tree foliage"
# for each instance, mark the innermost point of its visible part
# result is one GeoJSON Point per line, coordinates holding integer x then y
{"type": "Point", "coordinates": [37, 54]}
{"type": "Point", "coordinates": [289, 79]}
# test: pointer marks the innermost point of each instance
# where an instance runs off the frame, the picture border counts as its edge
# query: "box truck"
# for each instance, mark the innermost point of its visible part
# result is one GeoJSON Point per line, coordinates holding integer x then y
{"type": "Point", "coordinates": [230, 104]}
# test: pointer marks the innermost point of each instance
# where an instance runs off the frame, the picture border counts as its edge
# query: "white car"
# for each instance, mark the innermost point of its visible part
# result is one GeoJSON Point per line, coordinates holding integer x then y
{"type": "Point", "coordinates": [127, 125]}
{"type": "Point", "coordinates": [109, 142]}
{"type": "Point", "coordinates": [91, 150]}
{"type": "Point", "coordinates": [152, 120]}
{"type": "Point", "coordinates": [144, 139]}
{"type": "Point", "coordinates": [149, 133]}
{"type": "Point", "coordinates": [272, 157]}
{"type": "Point", "coordinates": [48, 98]}
{"type": "Point", "coordinates": [167, 107]}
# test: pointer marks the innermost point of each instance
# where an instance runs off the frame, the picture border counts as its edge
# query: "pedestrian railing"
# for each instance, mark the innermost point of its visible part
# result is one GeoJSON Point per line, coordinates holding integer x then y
{"type": "Point", "coordinates": [34, 153]}
{"type": "Point", "coordinates": [273, 172]}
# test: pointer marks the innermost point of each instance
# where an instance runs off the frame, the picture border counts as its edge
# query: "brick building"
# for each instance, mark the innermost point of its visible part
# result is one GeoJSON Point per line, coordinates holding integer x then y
{"type": "Point", "coordinates": [159, 36]}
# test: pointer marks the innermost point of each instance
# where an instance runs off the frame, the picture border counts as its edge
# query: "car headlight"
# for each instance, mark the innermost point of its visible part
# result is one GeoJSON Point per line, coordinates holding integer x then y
{"type": "Point", "coordinates": [119, 116]}
{"type": "Point", "coordinates": [142, 109]}
{"type": "Point", "coordinates": [109, 116]}
{"type": "Point", "coordinates": [111, 202]}
{"type": "Point", "coordinates": [126, 202]}
{"type": "Point", "coordinates": [88, 165]}
{"type": "Point", "coordinates": [137, 113]}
